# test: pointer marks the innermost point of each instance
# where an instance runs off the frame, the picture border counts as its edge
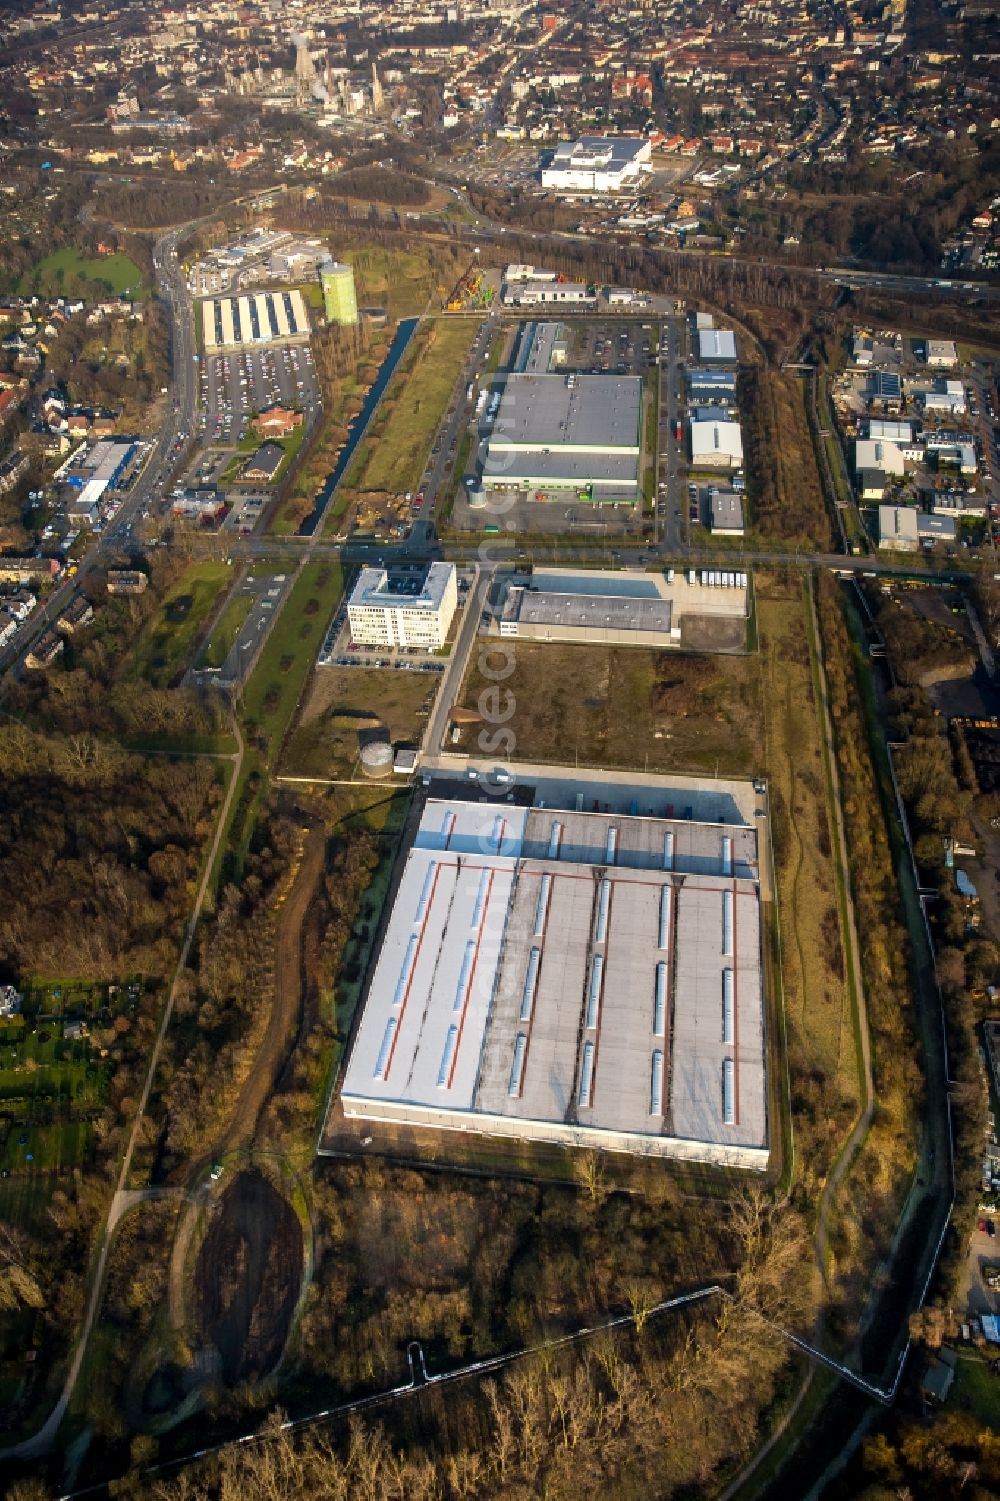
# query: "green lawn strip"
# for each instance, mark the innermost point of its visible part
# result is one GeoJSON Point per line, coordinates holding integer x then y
{"type": "Point", "coordinates": [223, 638]}
{"type": "Point", "coordinates": [414, 405]}
{"type": "Point", "coordinates": [842, 876]}
{"type": "Point", "coordinates": [271, 696]}
{"type": "Point", "coordinates": [168, 642]}
{"type": "Point", "coordinates": [180, 745]}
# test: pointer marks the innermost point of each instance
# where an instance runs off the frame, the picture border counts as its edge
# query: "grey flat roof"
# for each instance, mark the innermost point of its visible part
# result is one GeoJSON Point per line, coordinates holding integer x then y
{"type": "Point", "coordinates": [500, 990]}
{"type": "Point", "coordinates": [561, 464]}
{"type": "Point", "coordinates": [544, 411]}
{"type": "Point", "coordinates": [606, 612]}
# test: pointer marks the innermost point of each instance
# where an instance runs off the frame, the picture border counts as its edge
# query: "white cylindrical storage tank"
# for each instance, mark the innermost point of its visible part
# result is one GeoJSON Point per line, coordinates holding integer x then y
{"type": "Point", "coordinates": [517, 1066]}
{"type": "Point", "coordinates": [664, 935]}
{"type": "Point", "coordinates": [425, 892]}
{"type": "Point", "coordinates": [728, 1009]}
{"type": "Point", "coordinates": [555, 840]}
{"type": "Point", "coordinates": [656, 1083]}
{"type": "Point", "coordinates": [603, 901]}
{"type": "Point", "coordinates": [376, 758]}
{"type": "Point", "coordinates": [382, 1061]}
{"type": "Point", "coordinates": [727, 922]}
{"type": "Point", "coordinates": [728, 1095]}
{"type": "Point", "coordinates": [587, 1074]}
{"type": "Point", "coordinates": [611, 847]}
{"type": "Point", "coordinates": [668, 850]}
{"type": "Point", "coordinates": [530, 981]}
{"type": "Point", "coordinates": [594, 993]}
{"type": "Point", "coordinates": [660, 1001]}
{"type": "Point", "coordinates": [727, 855]}
{"type": "Point", "coordinates": [542, 905]}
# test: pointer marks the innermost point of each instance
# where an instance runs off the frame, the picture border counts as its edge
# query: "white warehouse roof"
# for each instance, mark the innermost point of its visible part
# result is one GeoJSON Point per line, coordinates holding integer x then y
{"type": "Point", "coordinates": [571, 977]}
{"type": "Point", "coordinates": [716, 442]}
{"type": "Point", "coordinates": [716, 344]}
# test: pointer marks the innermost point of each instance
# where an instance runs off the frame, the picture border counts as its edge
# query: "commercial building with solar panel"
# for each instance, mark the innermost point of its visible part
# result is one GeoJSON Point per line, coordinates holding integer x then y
{"type": "Point", "coordinates": [587, 978]}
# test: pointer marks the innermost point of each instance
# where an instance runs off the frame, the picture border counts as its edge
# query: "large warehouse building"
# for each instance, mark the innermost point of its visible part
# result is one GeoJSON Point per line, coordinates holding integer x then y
{"type": "Point", "coordinates": [587, 979]}
{"type": "Point", "coordinates": [559, 437]}
{"type": "Point", "coordinates": [258, 318]}
{"type": "Point", "coordinates": [598, 164]}
{"type": "Point", "coordinates": [613, 608]}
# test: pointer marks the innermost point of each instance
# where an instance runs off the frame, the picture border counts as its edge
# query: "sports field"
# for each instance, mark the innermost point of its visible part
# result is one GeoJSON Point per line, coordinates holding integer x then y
{"type": "Point", "coordinates": [61, 273]}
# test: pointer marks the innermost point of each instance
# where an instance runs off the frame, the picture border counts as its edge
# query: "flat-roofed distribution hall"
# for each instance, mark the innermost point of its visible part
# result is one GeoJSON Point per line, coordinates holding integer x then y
{"type": "Point", "coordinates": [576, 977]}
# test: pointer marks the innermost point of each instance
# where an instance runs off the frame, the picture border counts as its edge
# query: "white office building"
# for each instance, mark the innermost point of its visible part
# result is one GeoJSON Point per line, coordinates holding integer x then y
{"type": "Point", "coordinates": [391, 612]}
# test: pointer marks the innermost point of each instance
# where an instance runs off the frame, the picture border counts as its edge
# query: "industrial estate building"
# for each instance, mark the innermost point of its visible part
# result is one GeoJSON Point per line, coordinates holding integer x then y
{"type": "Point", "coordinates": [258, 318]}
{"type": "Point", "coordinates": [403, 612]}
{"type": "Point", "coordinates": [905, 529]}
{"type": "Point", "coordinates": [598, 164]}
{"type": "Point", "coordinates": [565, 436]}
{"type": "Point", "coordinates": [581, 978]}
{"type": "Point", "coordinates": [621, 609]}
{"type": "Point", "coordinates": [716, 440]}
{"type": "Point", "coordinates": [717, 344]}
{"type": "Point", "coordinates": [725, 512]}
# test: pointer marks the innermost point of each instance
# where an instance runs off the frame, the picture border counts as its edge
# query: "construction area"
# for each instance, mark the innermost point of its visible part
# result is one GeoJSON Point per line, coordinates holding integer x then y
{"type": "Point", "coordinates": [583, 978]}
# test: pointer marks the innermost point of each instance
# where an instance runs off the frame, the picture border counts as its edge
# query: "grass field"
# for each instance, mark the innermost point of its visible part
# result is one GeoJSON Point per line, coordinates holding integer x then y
{"type": "Point", "coordinates": [976, 1390]}
{"type": "Point", "coordinates": [227, 628]}
{"type": "Point", "coordinates": [401, 281]}
{"type": "Point", "coordinates": [46, 1149]}
{"type": "Point", "coordinates": [396, 449]}
{"type": "Point", "coordinates": [342, 701]}
{"type": "Point", "coordinates": [59, 273]}
{"type": "Point", "coordinates": [629, 707]}
{"type": "Point", "coordinates": [821, 1038]}
{"type": "Point", "coordinates": [166, 646]}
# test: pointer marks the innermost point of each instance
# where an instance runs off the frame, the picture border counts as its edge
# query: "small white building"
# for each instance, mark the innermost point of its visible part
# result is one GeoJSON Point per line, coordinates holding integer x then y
{"type": "Point", "coordinates": [385, 612]}
{"type": "Point", "coordinates": [897, 528]}
{"type": "Point", "coordinates": [716, 445]}
{"type": "Point", "coordinates": [717, 344]}
{"type": "Point", "coordinates": [945, 396]}
{"type": "Point", "coordinates": [873, 453]}
{"type": "Point", "coordinates": [941, 354]}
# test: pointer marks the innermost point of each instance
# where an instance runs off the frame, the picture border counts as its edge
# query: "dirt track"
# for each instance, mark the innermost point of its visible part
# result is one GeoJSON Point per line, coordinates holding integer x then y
{"type": "Point", "coordinates": [283, 1022]}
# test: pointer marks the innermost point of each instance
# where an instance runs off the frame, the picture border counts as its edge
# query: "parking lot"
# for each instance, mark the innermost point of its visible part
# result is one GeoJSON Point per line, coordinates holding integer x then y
{"type": "Point", "coordinates": [613, 349]}
{"type": "Point", "coordinates": [265, 594]}
{"type": "Point", "coordinates": [235, 385]}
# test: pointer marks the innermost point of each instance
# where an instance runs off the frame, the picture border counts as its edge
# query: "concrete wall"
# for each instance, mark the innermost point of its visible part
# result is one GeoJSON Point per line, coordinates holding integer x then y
{"type": "Point", "coordinates": [670, 1147]}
